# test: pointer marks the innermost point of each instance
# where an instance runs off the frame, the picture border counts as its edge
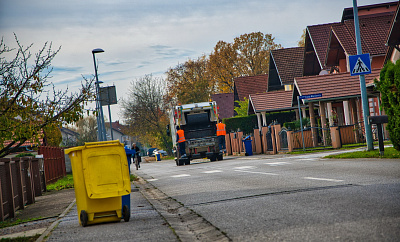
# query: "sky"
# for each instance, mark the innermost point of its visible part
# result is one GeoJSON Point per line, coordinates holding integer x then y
{"type": "Point", "coordinates": [150, 36]}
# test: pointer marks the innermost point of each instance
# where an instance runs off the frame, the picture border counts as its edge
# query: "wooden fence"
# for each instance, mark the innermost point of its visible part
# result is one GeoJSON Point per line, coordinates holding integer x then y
{"type": "Point", "coordinates": [21, 180]}
{"type": "Point", "coordinates": [54, 163]}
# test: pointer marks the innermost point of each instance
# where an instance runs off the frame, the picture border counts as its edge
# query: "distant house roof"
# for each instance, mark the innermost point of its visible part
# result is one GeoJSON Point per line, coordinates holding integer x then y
{"type": "Point", "coordinates": [116, 126]}
{"type": "Point", "coordinates": [225, 102]}
{"type": "Point", "coordinates": [288, 64]}
{"type": "Point", "coordinates": [373, 31]}
{"type": "Point", "coordinates": [317, 39]}
{"type": "Point", "coordinates": [246, 85]}
{"type": "Point", "coordinates": [369, 9]}
{"type": "Point", "coordinates": [68, 131]}
{"type": "Point", "coordinates": [333, 86]}
{"type": "Point", "coordinates": [270, 101]}
{"type": "Point", "coordinates": [393, 37]}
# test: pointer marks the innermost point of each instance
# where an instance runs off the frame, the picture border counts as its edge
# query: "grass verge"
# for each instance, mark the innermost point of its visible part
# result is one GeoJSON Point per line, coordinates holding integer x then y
{"type": "Point", "coordinates": [389, 153]}
{"type": "Point", "coordinates": [63, 183]}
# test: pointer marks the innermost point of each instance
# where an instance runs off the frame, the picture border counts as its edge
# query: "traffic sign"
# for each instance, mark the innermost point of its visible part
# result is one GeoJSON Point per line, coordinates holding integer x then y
{"type": "Point", "coordinates": [360, 64]}
{"type": "Point", "coordinates": [310, 96]}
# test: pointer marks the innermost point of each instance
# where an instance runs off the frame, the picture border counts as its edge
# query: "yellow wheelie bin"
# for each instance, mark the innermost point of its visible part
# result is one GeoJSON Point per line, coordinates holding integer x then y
{"type": "Point", "coordinates": [101, 177]}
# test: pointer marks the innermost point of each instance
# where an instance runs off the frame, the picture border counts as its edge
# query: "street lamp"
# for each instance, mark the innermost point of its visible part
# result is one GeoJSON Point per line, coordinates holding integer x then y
{"type": "Point", "coordinates": [101, 129]}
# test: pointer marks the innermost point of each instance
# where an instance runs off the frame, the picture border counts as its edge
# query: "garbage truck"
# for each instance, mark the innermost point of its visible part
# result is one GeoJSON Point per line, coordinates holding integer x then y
{"type": "Point", "coordinates": [198, 121]}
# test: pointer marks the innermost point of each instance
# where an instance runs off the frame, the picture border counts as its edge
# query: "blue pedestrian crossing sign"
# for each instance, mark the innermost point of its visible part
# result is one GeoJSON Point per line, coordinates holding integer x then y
{"type": "Point", "coordinates": [360, 64]}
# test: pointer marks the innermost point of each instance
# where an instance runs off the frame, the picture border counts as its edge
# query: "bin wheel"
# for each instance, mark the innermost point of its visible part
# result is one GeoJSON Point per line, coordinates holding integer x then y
{"type": "Point", "coordinates": [126, 213]}
{"type": "Point", "coordinates": [84, 218]}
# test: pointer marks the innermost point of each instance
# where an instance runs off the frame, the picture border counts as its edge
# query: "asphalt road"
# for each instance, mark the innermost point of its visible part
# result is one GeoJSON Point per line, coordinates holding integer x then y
{"type": "Point", "coordinates": [256, 198]}
{"type": "Point", "coordinates": [287, 197]}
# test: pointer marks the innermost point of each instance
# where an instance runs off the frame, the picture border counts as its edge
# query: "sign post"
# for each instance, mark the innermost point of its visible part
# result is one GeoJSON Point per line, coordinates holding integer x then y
{"type": "Point", "coordinates": [301, 118]}
{"type": "Point", "coordinates": [361, 72]}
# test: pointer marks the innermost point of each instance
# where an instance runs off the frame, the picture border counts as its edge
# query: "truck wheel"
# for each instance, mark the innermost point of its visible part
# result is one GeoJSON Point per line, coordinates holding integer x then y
{"type": "Point", "coordinates": [181, 162]}
{"type": "Point", "coordinates": [220, 157]}
{"type": "Point", "coordinates": [177, 162]}
{"type": "Point", "coordinates": [213, 158]}
{"type": "Point", "coordinates": [84, 218]}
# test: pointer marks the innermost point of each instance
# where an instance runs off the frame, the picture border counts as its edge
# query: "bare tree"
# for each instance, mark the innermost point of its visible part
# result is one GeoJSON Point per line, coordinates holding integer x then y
{"type": "Point", "coordinates": [145, 113]}
{"type": "Point", "coordinates": [28, 101]}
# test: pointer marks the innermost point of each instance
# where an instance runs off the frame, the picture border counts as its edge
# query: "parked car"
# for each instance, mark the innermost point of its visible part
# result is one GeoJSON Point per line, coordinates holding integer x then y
{"type": "Point", "coordinates": [162, 152]}
{"type": "Point", "coordinates": [150, 152]}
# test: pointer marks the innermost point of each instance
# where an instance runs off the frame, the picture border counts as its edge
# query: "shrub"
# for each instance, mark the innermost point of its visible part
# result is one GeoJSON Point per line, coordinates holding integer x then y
{"type": "Point", "coordinates": [389, 87]}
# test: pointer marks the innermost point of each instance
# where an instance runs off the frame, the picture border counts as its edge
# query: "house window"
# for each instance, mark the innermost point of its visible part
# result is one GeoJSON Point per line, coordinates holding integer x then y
{"type": "Point", "coordinates": [288, 87]}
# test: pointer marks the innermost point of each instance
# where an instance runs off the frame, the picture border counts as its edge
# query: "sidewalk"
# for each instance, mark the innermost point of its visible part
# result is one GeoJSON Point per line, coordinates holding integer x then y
{"type": "Point", "coordinates": [47, 207]}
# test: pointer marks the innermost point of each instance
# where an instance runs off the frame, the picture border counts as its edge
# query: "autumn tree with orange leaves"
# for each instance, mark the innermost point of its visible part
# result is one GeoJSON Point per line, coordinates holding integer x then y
{"type": "Point", "coordinates": [196, 80]}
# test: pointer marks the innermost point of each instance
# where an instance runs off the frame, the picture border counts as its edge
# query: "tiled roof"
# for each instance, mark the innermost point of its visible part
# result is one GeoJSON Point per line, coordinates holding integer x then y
{"type": "Point", "coordinates": [225, 104]}
{"type": "Point", "coordinates": [373, 31]}
{"type": "Point", "coordinates": [319, 35]}
{"type": "Point", "coordinates": [333, 86]}
{"type": "Point", "coordinates": [289, 63]}
{"type": "Point", "coordinates": [247, 85]}
{"type": "Point", "coordinates": [271, 101]}
{"type": "Point", "coordinates": [393, 37]}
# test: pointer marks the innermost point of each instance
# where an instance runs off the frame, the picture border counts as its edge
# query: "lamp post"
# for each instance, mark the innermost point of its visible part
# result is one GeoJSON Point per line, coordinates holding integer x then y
{"type": "Point", "coordinates": [101, 129]}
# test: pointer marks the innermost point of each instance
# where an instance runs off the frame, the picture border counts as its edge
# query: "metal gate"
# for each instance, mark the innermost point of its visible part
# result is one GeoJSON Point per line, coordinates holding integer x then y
{"type": "Point", "coordinates": [283, 138]}
{"type": "Point", "coordinates": [269, 140]}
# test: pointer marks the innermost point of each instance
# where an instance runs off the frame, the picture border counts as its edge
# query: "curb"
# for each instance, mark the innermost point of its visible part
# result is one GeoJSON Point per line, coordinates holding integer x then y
{"type": "Point", "coordinates": [55, 223]}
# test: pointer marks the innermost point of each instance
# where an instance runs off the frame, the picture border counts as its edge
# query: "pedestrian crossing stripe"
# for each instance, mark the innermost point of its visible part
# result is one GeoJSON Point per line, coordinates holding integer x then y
{"type": "Point", "coordinates": [360, 67]}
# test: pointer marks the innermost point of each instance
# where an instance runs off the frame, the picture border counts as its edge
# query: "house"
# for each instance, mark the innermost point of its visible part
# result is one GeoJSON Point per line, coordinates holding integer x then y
{"type": "Point", "coordinates": [69, 137]}
{"type": "Point", "coordinates": [225, 104]}
{"type": "Point", "coordinates": [284, 66]}
{"type": "Point", "coordinates": [393, 38]}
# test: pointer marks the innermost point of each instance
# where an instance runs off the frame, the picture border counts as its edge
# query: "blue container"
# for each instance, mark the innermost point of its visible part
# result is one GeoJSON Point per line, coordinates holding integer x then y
{"type": "Point", "coordinates": [126, 199]}
{"type": "Point", "coordinates": [248, 147]}
{"type": "Point", "coordinates": [158, 157]}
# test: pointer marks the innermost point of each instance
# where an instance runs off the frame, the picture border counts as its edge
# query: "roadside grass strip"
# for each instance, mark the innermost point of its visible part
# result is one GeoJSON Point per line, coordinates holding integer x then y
{"type": "Point", "coordinates": [322, 179]}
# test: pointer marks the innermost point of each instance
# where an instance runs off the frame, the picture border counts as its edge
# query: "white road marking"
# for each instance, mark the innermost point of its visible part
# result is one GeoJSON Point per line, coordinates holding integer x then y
{"type": "Point", "coordinates": [245, 167]}
{"type": "Point", "coordinates": [152, 180]}
{"type": "Point", "coordinates": [182, 175]}
{"type": "Point", "coordinates": [278, 163]}
{"type": "Point", "coordinates": [258, 172]}
{"type": "Point", "coordinates": [214, 171]}
{"type": "Point", "coordinates": [322, 179]}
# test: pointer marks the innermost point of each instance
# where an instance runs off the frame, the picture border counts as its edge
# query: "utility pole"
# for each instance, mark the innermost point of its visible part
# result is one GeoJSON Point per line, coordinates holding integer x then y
{"type": "Point", "coordinates": [364, 97]}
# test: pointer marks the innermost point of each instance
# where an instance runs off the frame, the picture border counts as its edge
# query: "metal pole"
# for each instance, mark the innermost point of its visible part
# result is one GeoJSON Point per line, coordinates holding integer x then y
{"type": "Point", "coordinates": [301, 123]}
{"type": "Point", "coordinates": [100, 119]}
{"type": "Point", "coordinates": [109, 113]}
{"type": "Point", "coordinates": [364, 97]}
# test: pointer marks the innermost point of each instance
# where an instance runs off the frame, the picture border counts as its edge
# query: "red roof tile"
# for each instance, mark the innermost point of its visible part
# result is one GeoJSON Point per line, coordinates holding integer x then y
{"type": "Point", "coordinates": [289, 63]}
{"type": "Point", "coordinates": [246, 85]}
{"type": "Point", "coordinates": [225, 104]}
{"type": "Point", "coordinates": [333, 86]}
{"type": "Point", "coordinates": [373, 31]}
{"type": "Point", "coordinates": [271, 101]}
{"type": "Point", "coordinates": [319, 35]}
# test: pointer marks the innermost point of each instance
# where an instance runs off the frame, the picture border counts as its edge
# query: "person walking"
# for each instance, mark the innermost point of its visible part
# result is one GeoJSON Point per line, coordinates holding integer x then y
{"type": "Point", "coordinates": [221, 132]}
{"type": "Point", "coordinates": [137, 153]}
{"type": "Point", "coordinates": [180, 138]}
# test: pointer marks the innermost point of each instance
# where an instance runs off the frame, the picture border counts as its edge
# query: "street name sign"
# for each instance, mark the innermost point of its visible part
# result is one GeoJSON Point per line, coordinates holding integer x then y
{"type": "Point", "coordinates": [310, 96]}
{"type": "Point", "coordinates": [360, 64]}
